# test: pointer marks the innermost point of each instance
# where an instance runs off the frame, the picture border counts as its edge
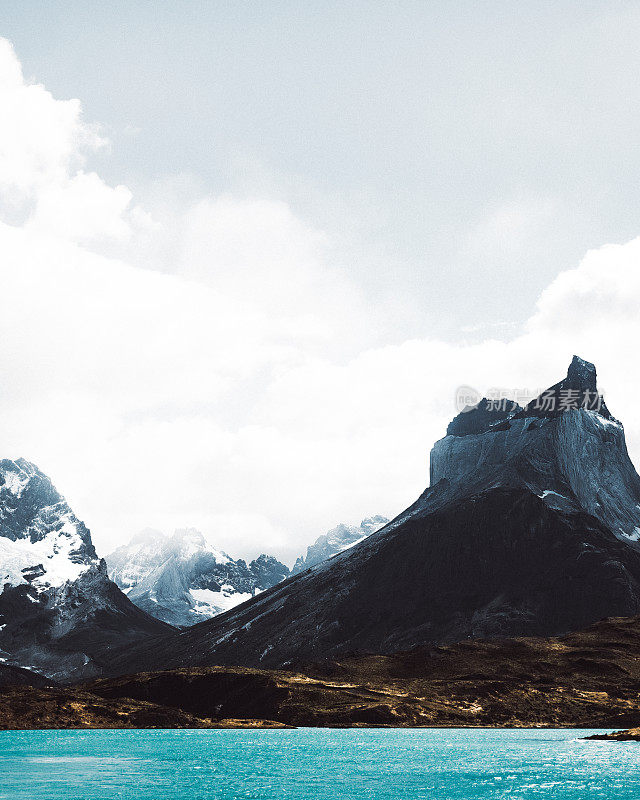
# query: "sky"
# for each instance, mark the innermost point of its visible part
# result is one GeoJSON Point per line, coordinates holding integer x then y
{"type": "Point", "coordinates": [248, 252]}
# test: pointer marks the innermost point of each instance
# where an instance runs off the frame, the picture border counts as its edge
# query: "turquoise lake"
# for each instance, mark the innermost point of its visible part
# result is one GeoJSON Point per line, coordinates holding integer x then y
{"type": "Point", "coordinates": [316, 764]}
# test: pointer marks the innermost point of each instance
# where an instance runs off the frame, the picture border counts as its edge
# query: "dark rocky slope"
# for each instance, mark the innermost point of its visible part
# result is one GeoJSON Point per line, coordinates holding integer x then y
{"type": "Point", "coordinates": [15, 676]}
{"type": "Point", "coordinates": [530, 527]}
{"type": "Point", "coordinates": [631, 735]}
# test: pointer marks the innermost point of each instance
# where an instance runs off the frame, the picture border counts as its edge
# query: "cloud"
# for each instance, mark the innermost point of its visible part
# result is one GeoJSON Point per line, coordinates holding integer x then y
{"type": "Point", "coordinates": [44, 147]}
{"type": "Point", "coordinates": [42, 140]}
{"type": "Point", "coordinates": [209, 362]}
{"type": "Point", "coordinates": [82, 208]}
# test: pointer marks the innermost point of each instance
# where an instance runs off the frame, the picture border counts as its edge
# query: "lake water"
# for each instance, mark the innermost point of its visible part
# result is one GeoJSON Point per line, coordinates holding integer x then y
{"type": "Point", "coordinates": [316, 764]}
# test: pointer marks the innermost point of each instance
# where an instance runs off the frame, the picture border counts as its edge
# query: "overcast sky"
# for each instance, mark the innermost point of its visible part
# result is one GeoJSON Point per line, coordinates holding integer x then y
{"type": "Point", "coordinates": [249, 251]}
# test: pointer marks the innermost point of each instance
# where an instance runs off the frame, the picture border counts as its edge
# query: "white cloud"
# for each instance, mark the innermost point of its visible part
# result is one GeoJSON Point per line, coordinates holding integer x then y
{"type": "Point", "coordinates": [44, 146]}
{"type": "Point", "coordinates": [42, 140]}
{"type": "Point", "coordinates": [82, 208]}
{"type": "Point", "coordinates": [228, 383]}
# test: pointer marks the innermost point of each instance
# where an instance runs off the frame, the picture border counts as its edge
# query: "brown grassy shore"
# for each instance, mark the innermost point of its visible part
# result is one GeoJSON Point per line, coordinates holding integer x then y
{"type": "Point", "coordinates": [589, 679]}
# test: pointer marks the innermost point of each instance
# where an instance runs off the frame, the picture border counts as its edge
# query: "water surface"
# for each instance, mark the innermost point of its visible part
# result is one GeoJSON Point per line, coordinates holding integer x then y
{"type": "Point", "coordinates": [316, 764]}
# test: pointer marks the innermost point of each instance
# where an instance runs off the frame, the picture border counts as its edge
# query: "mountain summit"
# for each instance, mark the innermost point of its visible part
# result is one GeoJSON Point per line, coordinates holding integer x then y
{"type": "Point", "coordinates": [579, 390]}
{"type": "Point", "coordinates": [59, 612]}
{"type": "Point", "coordinates": [530, 527]}
{"type": "Point", "coordinates": [565, 447]}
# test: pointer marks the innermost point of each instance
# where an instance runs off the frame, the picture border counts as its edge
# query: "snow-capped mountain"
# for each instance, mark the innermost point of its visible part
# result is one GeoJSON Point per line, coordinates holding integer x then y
{"type": "Point", "coordinates": [130, 564]}
{"type": "Point", "coordinates": [182, 580]}
{"type": "Point", "coordinates": [42, 542]}
{"type": "Point", "coordinates": [338, 539]}
{"type": "Point", "coordinates": [59, 612]}
{"type": "Point", "coordinates": [529, 527]}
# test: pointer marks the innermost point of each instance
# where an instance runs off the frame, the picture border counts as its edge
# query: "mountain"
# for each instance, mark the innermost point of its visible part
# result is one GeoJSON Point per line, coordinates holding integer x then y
{"type": "Point", "coordinates": [59, 612]}
{"type": "Point", "coordinates": [182, 580]}
{"type": "Point", "coordinates": [573, 458]}
{"type": "Point", "coordinates": [338, 539]}
{"type": "Point", "coordinates": [529, 527]}
{"type": "Point", "coordinates": [130, 564]}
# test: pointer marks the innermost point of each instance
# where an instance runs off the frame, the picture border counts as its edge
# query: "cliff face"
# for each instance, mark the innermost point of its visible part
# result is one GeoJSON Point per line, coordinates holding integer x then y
{"type": "Point", "coordinates": [530, 526]}
{"type": "Point", "coordinates": [576, 461]}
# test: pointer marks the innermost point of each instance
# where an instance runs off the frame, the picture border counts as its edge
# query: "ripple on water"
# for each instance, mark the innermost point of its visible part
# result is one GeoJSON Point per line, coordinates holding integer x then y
{"type": "Point", "coordinates": [417, 764]}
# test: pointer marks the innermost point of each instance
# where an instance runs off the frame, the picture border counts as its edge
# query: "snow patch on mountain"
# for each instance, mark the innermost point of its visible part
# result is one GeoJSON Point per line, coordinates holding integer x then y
{"type": "Point", "coordinates": [42, 543]}
{"type": "Point", "coordinates": [48, 562]}
{"type": "Point", "coordinates": [16, 479]}
{"type": "Point", "coordinates": [209, 603]}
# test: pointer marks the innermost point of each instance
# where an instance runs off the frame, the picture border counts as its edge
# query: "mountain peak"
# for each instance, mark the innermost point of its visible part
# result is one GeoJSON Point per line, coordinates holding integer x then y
{"type": "Point", "coordinates": [189, 536]}
{"type": "Point", "coordinates": [579, 390]}
{"type": "Point", "coordinates": [581, 376]}
{"type": "Point", "coordinates": [57, 605]}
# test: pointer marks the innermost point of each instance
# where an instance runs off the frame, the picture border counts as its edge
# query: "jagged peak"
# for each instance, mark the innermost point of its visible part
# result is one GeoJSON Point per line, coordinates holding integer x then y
{"type": "Point", "coordinates": [26, 466]}
{"type": "Point", "coordinates": [263, 558]}
{"type": "Point", "coordinates": [581, 375]}
{"type": "Point", "coordinates": [376, 519]}
{"type": "Point", "coordinates": [20, 467]}
{"type": "Point", "coordinates": [579, 390]}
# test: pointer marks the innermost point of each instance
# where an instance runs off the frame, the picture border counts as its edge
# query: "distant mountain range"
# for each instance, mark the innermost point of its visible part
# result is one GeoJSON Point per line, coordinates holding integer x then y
{"type": "Point", "coordinates": [61, 615]}
{"type": "Point", "coordinates": [337, 540]}
{"type": "Point", "coordinates": [183, 580]}
{"type": "Point", "coordinates": [530, 527]}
